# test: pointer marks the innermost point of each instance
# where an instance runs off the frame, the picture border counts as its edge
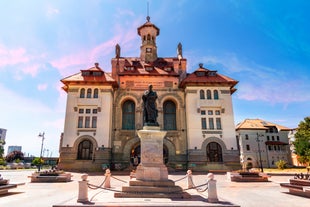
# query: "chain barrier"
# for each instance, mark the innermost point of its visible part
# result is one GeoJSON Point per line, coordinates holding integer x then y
{"type": "Point", "coordinates": [118, 179]}
{"type": "Point", "coordinates": [191, 185]}
{"type": "Point", "coordinates": [180, 179]}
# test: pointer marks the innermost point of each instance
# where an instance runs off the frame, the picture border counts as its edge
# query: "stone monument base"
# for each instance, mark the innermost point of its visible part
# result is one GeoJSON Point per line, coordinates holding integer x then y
{"type": "Point", "coordinates": [151, 189]}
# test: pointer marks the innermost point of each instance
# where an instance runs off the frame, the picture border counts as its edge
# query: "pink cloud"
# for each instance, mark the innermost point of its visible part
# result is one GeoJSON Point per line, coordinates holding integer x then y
{"type": "Point", "coordinates": [12, 56]}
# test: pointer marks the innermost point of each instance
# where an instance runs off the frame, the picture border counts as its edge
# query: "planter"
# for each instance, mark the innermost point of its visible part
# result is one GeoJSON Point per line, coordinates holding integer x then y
{"type": "Point", "coordinates": [50, 176]}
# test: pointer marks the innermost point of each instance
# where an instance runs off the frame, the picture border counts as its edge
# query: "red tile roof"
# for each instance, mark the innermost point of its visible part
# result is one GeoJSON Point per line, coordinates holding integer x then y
{"type": "Point", "coordinates": [104, 78]}
{"type": "Point", "coordinates": [203, 76]}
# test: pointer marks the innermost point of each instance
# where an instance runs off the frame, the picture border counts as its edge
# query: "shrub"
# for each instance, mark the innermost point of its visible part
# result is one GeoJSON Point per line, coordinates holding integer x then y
{"type": "Point", "coordinates": [281, 164]}
{"type": "Point", "coordinates": [2, 161]}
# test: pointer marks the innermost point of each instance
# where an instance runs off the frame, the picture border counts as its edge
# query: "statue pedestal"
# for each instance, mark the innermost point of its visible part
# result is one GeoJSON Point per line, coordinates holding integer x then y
{"type": "Point", "coordinates": [151, 167]}
{"type": "Point", "coordinates": [151, 174]}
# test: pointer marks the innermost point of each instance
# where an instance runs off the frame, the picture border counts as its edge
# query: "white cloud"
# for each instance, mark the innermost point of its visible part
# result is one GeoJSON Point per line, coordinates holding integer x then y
{"type": "Point", "coordinates": [42, 87]}
{"type": "Point", "coordinates": [51, 11]}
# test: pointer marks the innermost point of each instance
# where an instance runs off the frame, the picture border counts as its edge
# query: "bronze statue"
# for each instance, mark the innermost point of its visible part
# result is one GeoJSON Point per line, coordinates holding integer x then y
{"type": "Point", "coordinates": [150, 111]}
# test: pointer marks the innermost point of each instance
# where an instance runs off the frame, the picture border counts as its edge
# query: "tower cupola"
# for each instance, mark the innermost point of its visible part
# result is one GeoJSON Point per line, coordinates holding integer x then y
{"type": "Point", "coordinates": [148, 48]}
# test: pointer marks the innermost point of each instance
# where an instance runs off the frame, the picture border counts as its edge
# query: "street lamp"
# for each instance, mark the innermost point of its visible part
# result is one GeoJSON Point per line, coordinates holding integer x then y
{"type": "Point", "coordinates": [259, 152]}
{"type": "Point", "coordinates": [41, 135]}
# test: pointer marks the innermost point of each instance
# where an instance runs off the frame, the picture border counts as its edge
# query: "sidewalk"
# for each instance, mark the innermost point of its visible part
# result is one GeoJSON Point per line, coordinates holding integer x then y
{"type": "Point", "coordinates": [66, 194]}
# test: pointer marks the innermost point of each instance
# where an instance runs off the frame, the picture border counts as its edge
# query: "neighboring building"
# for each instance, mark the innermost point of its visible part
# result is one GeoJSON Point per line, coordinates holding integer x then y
{"type": "Point", "coordinates": [2, 141]}
{"type": "Point", "coordinates": [14, 148]}
{"type": "Point", "coordinates": [294, 157]}
{"type": "Point", "coordinates": [2, 135]}
{"type": "Point", "coordinates": [104, 111]}
{"type": "Point", "coordinates": [262, 142]}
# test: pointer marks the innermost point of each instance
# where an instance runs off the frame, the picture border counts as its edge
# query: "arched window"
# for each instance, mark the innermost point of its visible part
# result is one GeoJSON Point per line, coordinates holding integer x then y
{"type": "Point", "coordinates": [214, 152]}
{"type": "Point", "coordinates": [209, 94]}
{"type": "Point", "coordinates": [82, 93]}
{"type": "Point", "coordinates": [128, 116]}
{"type": "Point", "coordinates": [170, 116]}
{"type": "Point", "coordinates": [96, 93]}
{"type": "Point", "coordinates": [88, 93]}
{"type": "Point", "coordinates": [216, 94]}
{"type": "Point", "coordinates": [202, 94]}
{"type": "Point", "coordinates": [85, 150]}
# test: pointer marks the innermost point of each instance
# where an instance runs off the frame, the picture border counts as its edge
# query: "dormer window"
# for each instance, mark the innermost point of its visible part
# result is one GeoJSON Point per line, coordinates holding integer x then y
{"type": "Point", "coordinates": [129, 68]}
{"type": "Point", "coordinates": [212, 73]}
{"type": "Point", "coordinates": [97, 73]}
{"type": "Point", "coordinates": [168, 69]}
{"type": "Point", "coordinates": [86, 73]}
{"type": "Point", "coordinates": [200, 73]}
{"type": "Point", "coordinates": [148, 68]}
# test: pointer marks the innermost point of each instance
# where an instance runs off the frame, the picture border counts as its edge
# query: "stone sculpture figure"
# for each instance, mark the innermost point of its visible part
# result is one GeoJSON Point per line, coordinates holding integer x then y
{"type": "Point", "coordinates": [117, 51]}
{"type": "Point", "coordinates": [150, 111]}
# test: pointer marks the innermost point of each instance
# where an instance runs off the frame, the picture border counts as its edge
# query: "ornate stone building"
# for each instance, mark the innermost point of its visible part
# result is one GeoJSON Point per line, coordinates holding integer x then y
{"type": "Point", "coordinates": [105, 109]}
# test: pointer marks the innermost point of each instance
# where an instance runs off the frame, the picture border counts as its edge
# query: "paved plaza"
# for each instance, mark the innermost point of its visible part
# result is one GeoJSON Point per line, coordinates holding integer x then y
{"type": "Point", "coordinates": [65, 194]}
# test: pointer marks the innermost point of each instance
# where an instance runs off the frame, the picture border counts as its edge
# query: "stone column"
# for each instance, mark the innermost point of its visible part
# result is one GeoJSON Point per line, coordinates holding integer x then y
{"type": "Point", "coordinates": [151, 167]}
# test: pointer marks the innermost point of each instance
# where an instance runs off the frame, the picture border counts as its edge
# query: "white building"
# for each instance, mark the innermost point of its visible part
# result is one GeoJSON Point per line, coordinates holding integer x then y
{"type": "Point", "coordinates": [262, 143]}
{"type": "Point", "coordinates": [105, 109]}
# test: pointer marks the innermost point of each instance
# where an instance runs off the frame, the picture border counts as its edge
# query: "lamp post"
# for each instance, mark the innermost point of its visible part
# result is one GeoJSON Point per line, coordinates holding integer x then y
{"type": "Point", "coordinates": [259, 152]}
{"type": "Point", "coordinates": [41, 135]}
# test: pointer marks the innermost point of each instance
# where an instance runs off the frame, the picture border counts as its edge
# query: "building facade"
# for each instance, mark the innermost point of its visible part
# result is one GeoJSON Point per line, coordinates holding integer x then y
{"type": "Point", "coordinates": [262, 143]}
{"type": "Point", "coordinates": [14, 148]}
{"type": "Point", "coordinates": [105, 109]}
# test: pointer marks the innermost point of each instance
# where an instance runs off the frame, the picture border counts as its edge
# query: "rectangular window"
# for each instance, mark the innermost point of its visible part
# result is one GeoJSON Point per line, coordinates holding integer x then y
{"type": "Point", "coordinates": [246, 136]}
{"type": "Point", "coordinates": [88, 111]}
{"type": "Point", "coordinates": [203, 112]}
{"type": "Point", "coordinates": [81, 111]}
{"type": "Point", "coordinates": [218, 123]}
{"type": "Point", "coordinates": [211, 123]}
{"type": "Point", "coordinates": [248, 147]}
{"type": "Point", "coordinates": [278, 138]}
{"type": "Point", "coordinates": [269, 147]}
{"type": "Point", "coordinates": [95, 111]}
{"type": "Point", "coordinates": [94, 122]}
{"type": "Point", "coordinates": [217, 112]}
{"type": "Point", "coordinates": [210, 112]}
{"type": "Point", "coordinates": [80, 122]}
{"type": "Point", "coordinates": [87, 122]}
{"type": "Point", "coordinates": [203, 123]}
{"type": "Point", "coordinates": [268, 138]}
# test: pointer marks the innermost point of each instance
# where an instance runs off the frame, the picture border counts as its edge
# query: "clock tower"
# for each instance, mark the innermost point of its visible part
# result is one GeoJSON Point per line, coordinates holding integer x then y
{"type": "Point", "coordinates": [148, 49]}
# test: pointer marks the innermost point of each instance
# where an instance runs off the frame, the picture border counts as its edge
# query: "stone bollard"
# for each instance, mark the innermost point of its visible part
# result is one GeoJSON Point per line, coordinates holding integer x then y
{"type": "Point", "coordinates": [190, 183]}
{"type": "Point", "coordinates": [212, 192]}
{"type": "Point", "coordinates": [83, 189]}
{"type": "Point", "coordinates": [107, 183]}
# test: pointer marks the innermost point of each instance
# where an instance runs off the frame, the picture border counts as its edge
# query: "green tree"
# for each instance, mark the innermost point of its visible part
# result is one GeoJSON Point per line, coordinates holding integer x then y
{"type": "Point", "coordinates": [302, 141]}
{"type": "Point", "coordinates": [37, 161]}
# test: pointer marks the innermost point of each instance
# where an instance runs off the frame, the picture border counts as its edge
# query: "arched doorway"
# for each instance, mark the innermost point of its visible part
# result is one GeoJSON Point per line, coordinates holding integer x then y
{"type": "Point", "coordinates": [135, 155]}
{"type": "Point", "coordinates": [214, 152]}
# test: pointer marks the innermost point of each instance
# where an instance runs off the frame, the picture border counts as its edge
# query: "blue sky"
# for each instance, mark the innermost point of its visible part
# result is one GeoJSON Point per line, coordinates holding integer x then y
{"type": "Point", "coordinates": [263, 44]}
